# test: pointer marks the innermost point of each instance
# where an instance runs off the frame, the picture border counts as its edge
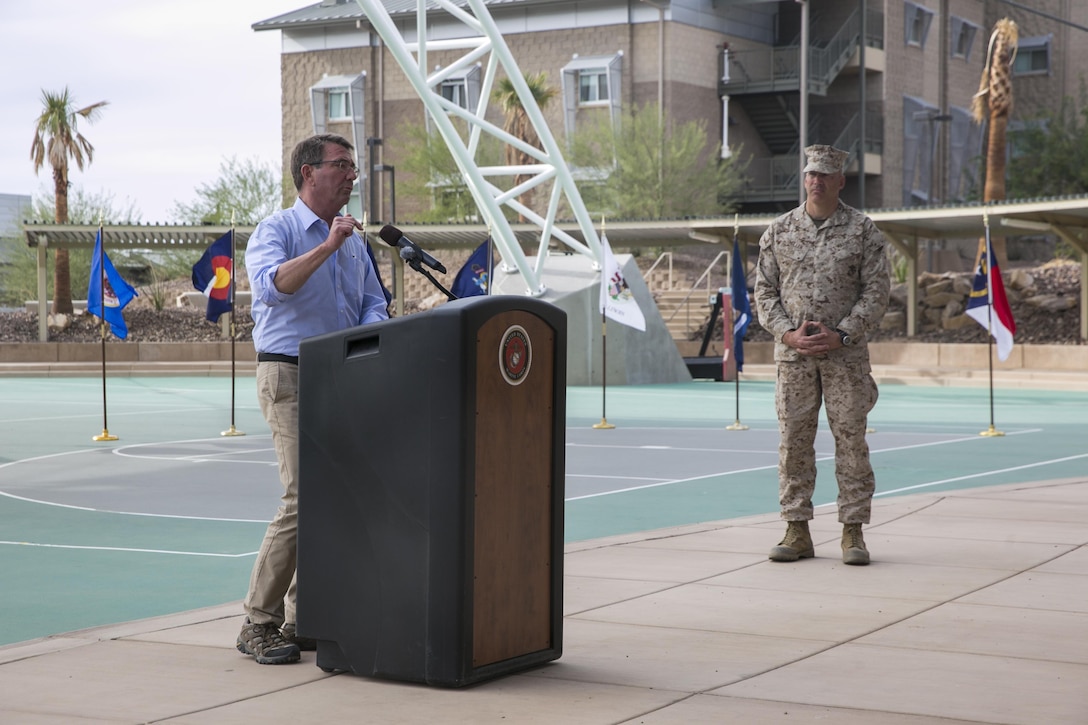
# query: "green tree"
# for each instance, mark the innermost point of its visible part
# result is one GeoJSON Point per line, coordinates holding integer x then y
{"type": "Point", "coordinates": [248, 188]}
{"type": "Point", "coordinates": [642, 169]}
{"type": "Point", "coordinates": [57, 139]}
{"type": "Point", "coordinates": [430, 172]}
{"type": "Point", "coordinates": [19, 278]}
{"type": "Point", "coordinates": [1050, 156]}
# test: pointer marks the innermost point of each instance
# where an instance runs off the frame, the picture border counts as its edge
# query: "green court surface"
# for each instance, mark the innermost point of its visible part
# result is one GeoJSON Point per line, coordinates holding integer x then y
{"type": "Point", "coordinates": [169, 516]}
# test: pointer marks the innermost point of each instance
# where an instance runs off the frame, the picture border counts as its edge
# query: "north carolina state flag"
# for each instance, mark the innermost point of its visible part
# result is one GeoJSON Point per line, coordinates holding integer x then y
{"type": "Point", "coordinates": [212, 275]}
{"type": "Point", "coordinates": [988, 305]}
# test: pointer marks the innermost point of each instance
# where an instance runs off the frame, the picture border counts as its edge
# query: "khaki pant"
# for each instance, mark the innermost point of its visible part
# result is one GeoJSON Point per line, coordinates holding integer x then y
{"type": "Point", "coordinates": [271, 597]}
{"type": "Point", "coordinates": [849, 392]}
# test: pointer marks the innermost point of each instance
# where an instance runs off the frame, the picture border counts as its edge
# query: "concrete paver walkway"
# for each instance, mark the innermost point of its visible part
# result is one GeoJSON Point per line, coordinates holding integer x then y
{"type": "Point", "coordinates": [975, 609]}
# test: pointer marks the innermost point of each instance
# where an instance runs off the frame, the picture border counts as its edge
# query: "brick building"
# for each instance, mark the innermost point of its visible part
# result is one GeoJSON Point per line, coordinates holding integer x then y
{"type": "Point", "coordinates": [912, 65]}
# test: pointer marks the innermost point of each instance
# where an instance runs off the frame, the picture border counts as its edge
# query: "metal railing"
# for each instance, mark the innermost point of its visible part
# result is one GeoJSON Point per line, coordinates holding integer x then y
{"type": "Point", "coordinates": [706, 280]}
{"type": "Point", "coordinates": [778, 68]}
{"type": "Point", "coordinates": [662, 256]}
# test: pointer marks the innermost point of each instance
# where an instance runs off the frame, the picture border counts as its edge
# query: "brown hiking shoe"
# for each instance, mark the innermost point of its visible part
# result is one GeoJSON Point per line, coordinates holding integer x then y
{"type": "Point", "coordinates": [304, 643]}
{"type": "Point", "coordinates": [266, 644]}
{"type": "Point", "coordinates": [853, 545]}
{"type": "Point", "coordinates": [797, 543]}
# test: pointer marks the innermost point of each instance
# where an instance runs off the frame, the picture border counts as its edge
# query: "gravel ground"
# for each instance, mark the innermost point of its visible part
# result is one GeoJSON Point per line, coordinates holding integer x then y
{"type": "Point", "coordinates": [187, 324]}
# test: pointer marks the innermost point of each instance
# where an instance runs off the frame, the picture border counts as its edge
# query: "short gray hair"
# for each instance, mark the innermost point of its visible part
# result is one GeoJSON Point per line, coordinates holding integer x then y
{"type": "Point", "coordinates": [310, 151]}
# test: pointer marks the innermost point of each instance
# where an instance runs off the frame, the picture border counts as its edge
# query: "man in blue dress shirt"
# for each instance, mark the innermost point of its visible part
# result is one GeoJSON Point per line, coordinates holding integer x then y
{"type": "Point", "coordinates": [310, 274]}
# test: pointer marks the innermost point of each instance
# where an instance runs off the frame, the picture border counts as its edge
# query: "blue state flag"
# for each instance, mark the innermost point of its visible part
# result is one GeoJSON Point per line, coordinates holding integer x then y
{"type": "Point", "coordinates": [107, 292]}
{"type": "Point", "coordinates": [212, 275]}
{"type": "Point", "coordinates": [475, 277]}
{"type": "Point", "coordinates": [740, 305]}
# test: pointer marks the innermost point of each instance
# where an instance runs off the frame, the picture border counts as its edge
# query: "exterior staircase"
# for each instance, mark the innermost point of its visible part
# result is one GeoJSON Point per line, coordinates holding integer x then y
{"type": "Point", "coordinates": [684, 308]}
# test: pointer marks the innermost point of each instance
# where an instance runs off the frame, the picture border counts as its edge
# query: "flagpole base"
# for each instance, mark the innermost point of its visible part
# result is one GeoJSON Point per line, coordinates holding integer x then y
{"type": "Point", "coordinates": [603, 425]}
{"type": "Point", "coordinates": [992, 432]}
{"type": "Point", "coordinates": [104, 436]}
{"type": "Point", "coordinates": [232, 431]}
{"type": "Point", "coordinates": [737, 425]}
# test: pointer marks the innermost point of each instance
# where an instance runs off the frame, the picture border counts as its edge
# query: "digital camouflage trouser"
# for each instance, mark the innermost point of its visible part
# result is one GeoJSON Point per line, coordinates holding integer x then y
{"type": "Point", "coordinates": [849, 392]}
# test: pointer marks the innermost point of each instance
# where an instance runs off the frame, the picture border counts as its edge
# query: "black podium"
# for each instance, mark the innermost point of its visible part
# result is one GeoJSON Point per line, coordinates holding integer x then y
{"type": "Point", "coordinates": [431, 482]}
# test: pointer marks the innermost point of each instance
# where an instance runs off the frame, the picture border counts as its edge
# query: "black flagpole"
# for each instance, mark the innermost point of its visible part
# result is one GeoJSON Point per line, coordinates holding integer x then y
{"type": "Point", "coordinates": [736, 425]}
{"type": "Point", "coordinates": [101, 250]}
{"type": "Point", "coordinates": [604, 424]}
{"type": "Point", "coordinates": [991, 431]}
{"type": "Point", "coordinates": [232, 431]}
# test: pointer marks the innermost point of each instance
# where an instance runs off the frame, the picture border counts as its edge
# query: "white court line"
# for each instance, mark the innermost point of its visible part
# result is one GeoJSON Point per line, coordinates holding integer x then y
{"type": "Point", "coordinates": [823, 458]}
{"type": "Point", "coordinates": [987, 473]}
{"type": "Point", "coordinates": [596, 475]}
{"type": "Point", "coordinates": [133, 551]}
{"type": "Point", "coordinates": [669, 448]}
{"type": "Point", "coordinates": [122, 451]}
{"type": "Point", "coordinates": [73, 507]}
{"type": "Point", "coordinates": [98, 414]}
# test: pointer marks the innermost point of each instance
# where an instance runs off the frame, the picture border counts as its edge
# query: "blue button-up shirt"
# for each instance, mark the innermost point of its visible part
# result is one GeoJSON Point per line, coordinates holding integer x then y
{"type": "Point", "coordinates": [343, 292]}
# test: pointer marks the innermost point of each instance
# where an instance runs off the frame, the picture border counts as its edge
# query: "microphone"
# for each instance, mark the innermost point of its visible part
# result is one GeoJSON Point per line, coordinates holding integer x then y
{"type": "Point", "coordinates": [395, 238]}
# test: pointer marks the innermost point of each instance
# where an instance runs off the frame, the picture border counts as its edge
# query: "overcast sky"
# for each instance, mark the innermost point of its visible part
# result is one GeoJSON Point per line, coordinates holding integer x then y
{"type": "Point", "coordinates": [189, 83]}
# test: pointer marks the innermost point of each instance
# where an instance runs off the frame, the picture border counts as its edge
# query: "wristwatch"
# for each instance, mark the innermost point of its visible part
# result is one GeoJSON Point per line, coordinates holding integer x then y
{"type": "Point", "coordinates": [843, 337]}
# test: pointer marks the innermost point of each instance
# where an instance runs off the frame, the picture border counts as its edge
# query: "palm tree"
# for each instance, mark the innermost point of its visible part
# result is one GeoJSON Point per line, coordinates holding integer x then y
{"type": "Point", "coordinates": [518, 124]}
{"type": "Point", "coordinates": [57, 138]}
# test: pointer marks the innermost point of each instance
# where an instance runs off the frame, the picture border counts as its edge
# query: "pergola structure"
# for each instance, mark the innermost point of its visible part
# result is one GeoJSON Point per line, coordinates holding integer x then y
{"type": "Point", "coordinates": [1065, 217]}
{"type": "Point", "coordinates": [43, 237]}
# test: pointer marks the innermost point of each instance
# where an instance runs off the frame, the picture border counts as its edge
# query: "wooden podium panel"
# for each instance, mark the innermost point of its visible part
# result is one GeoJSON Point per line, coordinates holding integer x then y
{"type": "Point", "coordinates": [513, 511]}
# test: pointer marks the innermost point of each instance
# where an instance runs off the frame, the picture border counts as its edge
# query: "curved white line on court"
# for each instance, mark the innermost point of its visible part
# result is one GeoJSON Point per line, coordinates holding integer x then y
{"type": "Point", "coordinates": [134, 551]}
{"type": "Point", "coordinates": [73, 507]}
{"type": "Point", "coordinates": [122, 451]}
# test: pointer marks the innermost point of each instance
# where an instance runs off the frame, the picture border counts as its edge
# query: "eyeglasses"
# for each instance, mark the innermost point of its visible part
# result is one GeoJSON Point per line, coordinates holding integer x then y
{"type": "Point", "coordinates": [342, 164]}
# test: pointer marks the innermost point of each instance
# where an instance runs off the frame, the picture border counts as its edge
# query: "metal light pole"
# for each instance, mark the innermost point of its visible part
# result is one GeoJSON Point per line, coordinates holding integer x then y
{"type": "Point", "coordinates": [804, 99]}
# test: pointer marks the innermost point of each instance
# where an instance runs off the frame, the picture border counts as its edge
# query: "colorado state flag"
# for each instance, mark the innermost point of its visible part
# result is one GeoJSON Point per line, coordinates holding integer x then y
{"type": "Point", "coordinates": [212, 275]}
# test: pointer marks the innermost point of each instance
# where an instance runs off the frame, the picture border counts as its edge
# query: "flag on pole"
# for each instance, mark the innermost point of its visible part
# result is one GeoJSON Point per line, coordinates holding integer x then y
{"type": "Point", "coordinates": [475, 277]}
{"type": "Point", "coordinates": [988, 305]}
{"type": "Point", "coordinates": [740, 304]}
{"type": "Point", "coordinates": [617, 301]}
{"type": "Point", "coordinates": [212, 275]}
{"type": "Point", "coordinates": [107, 292]}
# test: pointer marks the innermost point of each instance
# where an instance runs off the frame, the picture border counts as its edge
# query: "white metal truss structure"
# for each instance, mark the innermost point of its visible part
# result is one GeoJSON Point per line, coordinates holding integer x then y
{"type": "Point", "coordinates": [485, 40]}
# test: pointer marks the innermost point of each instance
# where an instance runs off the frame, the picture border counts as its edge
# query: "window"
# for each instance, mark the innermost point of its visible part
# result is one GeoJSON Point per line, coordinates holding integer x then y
{"type": "Point", "coordinates": [454, 92]}
{"type": "Point", "coordinates": [1033, 56]}
{"type": "Point", "coordinates": [589, 85]}
{"type": "Point", "coordinates": [461, 88]}
{"type": "Point", "coordinates": [916, 23]}
{"type": "Point", "coordinates": [593, 85]}
{"type": "Point", "coordinates": [339, 105]}
{"type": "Point", "coordinates": [963, 38]}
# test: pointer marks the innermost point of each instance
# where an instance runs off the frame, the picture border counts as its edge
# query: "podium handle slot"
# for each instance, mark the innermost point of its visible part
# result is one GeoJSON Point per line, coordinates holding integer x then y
{"type": "Point", "coordinates": [363, 347]}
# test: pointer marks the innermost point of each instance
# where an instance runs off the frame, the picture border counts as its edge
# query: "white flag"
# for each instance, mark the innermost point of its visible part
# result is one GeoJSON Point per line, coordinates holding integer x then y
{"type": "Point", "coordinates": [617, 301]}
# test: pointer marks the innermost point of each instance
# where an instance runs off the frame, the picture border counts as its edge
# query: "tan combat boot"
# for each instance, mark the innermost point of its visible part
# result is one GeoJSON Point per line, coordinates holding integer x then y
{"type": "Point", "coordinates": [797, 543]}
{"type": "Point", "coordinates": [853, 545]}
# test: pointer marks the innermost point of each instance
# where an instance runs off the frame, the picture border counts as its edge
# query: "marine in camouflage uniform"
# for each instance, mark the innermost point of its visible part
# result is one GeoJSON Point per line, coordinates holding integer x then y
{"type": "Point", "coordinates": [822, 284]}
